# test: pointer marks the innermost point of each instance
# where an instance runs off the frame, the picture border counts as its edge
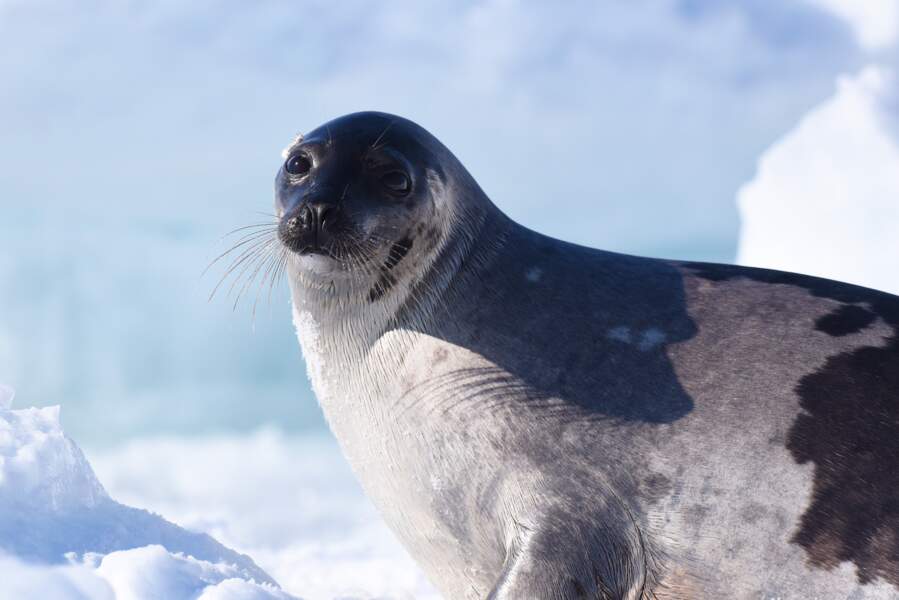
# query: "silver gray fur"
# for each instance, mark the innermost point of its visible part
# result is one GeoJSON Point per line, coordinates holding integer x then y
{"type": "Point", "coordinates": [536, 419]}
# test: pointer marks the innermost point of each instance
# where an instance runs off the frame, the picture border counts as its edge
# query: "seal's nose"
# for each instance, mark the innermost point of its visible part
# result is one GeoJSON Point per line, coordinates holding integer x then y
{"type": "Point", "coordinates": [317, 215]}
{"type": "Point", "coordinates": [305, 228]}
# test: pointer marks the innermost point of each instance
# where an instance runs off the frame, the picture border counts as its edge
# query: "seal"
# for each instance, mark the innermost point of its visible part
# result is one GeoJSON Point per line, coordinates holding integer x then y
{"type": "Point", "coordinates": [537, 419]}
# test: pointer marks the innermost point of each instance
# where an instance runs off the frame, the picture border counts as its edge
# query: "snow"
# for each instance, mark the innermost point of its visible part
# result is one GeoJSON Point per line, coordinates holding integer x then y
{"type": "Point", "coordinates": [291, 501]}
{"type": "Point", "coordinates": [55, 512]}
{"type": "Point", "coordinates": [153, 572]}
{"type": "Point", "coordinates": [824, 199]}
{"type": "Point", "coordinates": [145, 573]}
{"type": "Point", "coordinates": [70, 582]}
{"type": "Point", "coordinates": [41, 469]}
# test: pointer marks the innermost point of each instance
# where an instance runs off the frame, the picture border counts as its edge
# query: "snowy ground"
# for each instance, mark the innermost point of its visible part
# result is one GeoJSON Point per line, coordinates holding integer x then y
{"type": "Point", "coordinates": [290, 502]}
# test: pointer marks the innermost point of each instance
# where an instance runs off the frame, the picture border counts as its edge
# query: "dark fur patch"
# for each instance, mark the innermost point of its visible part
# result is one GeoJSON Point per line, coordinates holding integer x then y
{"type": "Point", "coordinates": [845, 320]}
{"type": "Point", "coordinates": [397, 253]}
{"type": "Point", "coordinates": [655, 487]}
{"type": "Point", "coordinates": [431, 236]}
{"type": "Point", "coordinates": [849, 429]}
{"type": "Point", "coordinates": [381, 287]}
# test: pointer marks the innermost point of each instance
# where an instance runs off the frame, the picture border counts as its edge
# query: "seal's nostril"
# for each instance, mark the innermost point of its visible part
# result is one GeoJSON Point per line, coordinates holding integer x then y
{"type": "Point", "coordinates": [306, 217]}
{"type": "Point", "coordinates": [325, 216]}
{"type": "Point", "coordinates": [305, 228]}
{"type": "Point", "coordinates": [316, 216]}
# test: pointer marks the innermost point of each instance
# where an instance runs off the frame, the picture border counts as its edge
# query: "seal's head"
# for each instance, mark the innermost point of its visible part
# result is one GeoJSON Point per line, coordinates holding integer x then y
{"type": "Point", "coordinates": [358, 194]}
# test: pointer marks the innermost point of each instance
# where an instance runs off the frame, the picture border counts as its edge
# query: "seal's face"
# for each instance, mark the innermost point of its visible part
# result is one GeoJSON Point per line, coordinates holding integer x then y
{"type": "Point", "coordinates": [354, 192]}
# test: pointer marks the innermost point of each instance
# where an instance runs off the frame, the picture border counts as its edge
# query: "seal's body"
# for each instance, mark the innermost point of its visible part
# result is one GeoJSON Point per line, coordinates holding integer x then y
{"type": "Point", "coordinates": [536, 419]}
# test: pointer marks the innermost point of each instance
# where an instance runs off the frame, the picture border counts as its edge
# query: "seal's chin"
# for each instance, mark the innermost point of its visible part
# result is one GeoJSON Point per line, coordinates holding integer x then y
{"type": "Point", "coordinates": [317, 262]}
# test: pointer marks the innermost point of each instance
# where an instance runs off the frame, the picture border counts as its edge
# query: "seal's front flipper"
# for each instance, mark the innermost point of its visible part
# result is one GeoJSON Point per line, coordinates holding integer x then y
{"type": "Point", "coordinates": [530, 585]}
{"type": "Point", "coordinates": [541, 565]}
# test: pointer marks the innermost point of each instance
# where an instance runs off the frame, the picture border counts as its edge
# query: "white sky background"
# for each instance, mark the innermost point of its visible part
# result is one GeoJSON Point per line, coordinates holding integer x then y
{"type": "Point", "coordinates": [136, 133]}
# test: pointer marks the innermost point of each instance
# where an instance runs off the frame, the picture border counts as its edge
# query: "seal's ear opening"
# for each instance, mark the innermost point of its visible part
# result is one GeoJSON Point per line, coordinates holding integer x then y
{"type": "Point", "coordinates": [390, 170]}
{"type": "Point", "coordinates": [396, 182]}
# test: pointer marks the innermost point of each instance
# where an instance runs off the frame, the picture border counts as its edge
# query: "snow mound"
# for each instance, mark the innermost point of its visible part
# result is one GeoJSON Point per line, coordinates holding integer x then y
{"type": "Point", "coordinates": [290, 501]}
{"type": "Point", "coordinates": [824, 199]}
{"type": "Point", "coordinates": [153, 572]}
{"type": "Point", "coordinates": [40, 468]}
{"type": "Point", "coordinates": [146, 573]}
{"type": "Point", "coordinates": [69, 582]}
{"type": "Point", "coordinates": [54, 511]}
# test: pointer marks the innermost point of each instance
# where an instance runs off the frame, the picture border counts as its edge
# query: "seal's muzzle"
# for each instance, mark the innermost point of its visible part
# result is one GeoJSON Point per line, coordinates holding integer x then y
{"type": "Point", "coordinates": [307, 228]}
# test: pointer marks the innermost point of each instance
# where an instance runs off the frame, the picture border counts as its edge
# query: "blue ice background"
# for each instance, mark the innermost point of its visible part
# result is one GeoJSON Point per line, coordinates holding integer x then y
{"type": "Point", "coordinates": [135, 134]}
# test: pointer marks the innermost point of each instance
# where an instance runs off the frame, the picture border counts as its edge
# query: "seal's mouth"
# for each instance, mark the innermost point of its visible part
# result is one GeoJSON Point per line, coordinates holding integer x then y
{"type": "Point", "coordinates": [313, 248]}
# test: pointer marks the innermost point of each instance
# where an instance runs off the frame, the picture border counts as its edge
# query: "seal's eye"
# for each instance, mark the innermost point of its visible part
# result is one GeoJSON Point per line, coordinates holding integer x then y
{"type": "Point", "coordinates": [396, 181]}
{"type": "Point", "coordinates": [298, 164]}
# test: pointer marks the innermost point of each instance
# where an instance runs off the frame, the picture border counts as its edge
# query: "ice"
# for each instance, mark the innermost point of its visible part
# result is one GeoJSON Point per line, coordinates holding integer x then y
{"type": "Point", "coordinates": [77, 542]}
{"type": "Point", "coordinates": [289, 501]}
{"type": "Point", "coordinates": [64, 582]}
{"type": "Point", "coordinates": [146, 573]}
{"type": "Point", "coordinates": [153, 572]}
{"type": "Point", "coordinates": [40, 470]}
{"type": "Point", "coordinates": [824, 199]}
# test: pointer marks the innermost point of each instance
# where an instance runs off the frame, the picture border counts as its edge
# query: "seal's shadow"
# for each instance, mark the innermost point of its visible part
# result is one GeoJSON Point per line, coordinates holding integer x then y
{"type": "Point", "coordinates": [580, 329]}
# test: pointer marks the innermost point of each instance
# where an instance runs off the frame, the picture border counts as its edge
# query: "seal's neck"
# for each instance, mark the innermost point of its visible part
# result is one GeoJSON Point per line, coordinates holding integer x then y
{"type": "Point", "coordinates": [346, 319]}
{"type": "Point", "coordinates": [355, 347]}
